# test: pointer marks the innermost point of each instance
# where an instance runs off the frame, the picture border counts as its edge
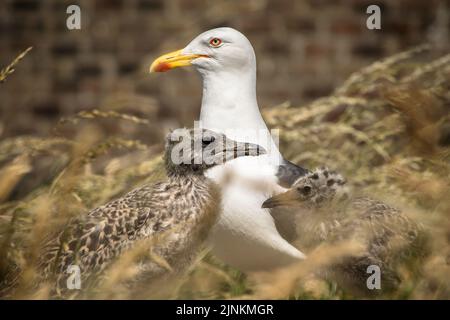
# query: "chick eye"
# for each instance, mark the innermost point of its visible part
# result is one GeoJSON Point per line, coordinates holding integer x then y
{"type": "Point", "coordinates": [207, 140]}
{"type": "Point", "coordinates": [215, 42]}
{"type": "Point", "coordinates": [305, 190]}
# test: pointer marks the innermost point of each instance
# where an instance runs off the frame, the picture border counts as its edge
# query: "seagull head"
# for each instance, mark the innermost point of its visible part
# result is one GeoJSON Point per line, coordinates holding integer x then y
{"type": "Point", "coordinates": [214, 51]}
{"type": "Point", "coordinates": [314, 190]}
{"type": "Point", "coordinates": [198, 149]}
{"type": "Point", "coordinates": [226, 61]}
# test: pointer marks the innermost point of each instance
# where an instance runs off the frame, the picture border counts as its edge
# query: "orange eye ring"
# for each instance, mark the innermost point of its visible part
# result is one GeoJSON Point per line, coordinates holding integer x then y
{"type": "Point", "coordinates": [215, 42]}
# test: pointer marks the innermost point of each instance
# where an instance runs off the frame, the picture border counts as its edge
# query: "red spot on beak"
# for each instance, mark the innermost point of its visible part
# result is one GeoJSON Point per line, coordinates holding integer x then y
{"type": "Point", "coordinates": [162, 67]}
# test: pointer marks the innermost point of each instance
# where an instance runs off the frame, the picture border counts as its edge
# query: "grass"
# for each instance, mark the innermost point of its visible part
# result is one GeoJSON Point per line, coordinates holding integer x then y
{"type": "Point", "coordinates": [386, 129]}
{"type": "Point", "coordinates": [9, 69]}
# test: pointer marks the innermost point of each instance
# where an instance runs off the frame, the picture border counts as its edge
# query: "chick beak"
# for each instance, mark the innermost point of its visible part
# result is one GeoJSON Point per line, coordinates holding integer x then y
{"type": "Point", "coordinates": [287, 198]}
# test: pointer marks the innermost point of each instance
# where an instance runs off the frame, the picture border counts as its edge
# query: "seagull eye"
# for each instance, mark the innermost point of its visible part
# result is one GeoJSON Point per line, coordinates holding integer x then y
{"type": "Point", "coordinates": [215, 42]}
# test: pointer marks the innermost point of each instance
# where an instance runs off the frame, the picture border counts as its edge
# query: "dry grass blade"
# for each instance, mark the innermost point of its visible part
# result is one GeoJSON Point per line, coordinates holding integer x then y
{"type": "Point", "coordinates": [422, 113]}
{"type": "Point", "coordinates": [5, 72]}
{"type": "Point", "coordinates": [283, 282]}
{"type": "Point", "coordinates": [428, 68]}
{"type": "Point", "coordinates": [118, 143]}
{"type": "Point", "coordinates": [11, 174]}
{"type": "Point", "coordinates": [380, 68]}
{"type": "Point", "coordinates": [94, 114]}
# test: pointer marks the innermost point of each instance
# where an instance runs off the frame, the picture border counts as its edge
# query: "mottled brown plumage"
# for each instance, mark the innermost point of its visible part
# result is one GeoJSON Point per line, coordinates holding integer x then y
{"type": "Point", "coordinates": [329, 213]}
{"type": "Point", "coordinates": [175, 214]}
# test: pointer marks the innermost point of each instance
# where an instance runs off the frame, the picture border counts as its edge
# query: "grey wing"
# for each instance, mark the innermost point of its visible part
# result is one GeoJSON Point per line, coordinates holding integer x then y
{"type": "Point", "coordinates": [288, 173]}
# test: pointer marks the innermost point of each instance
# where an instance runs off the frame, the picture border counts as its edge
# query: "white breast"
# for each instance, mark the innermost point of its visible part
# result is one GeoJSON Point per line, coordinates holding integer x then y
{"type": "Point", "coordinates": [245, 235]}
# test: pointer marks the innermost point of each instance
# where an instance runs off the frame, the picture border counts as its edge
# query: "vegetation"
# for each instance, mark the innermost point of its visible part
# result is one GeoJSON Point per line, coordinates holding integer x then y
{"type": "Point", "coordinates": [387, 129]}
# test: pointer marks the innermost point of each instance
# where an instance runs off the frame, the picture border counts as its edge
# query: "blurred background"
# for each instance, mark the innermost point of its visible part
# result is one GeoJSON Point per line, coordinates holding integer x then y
{"type": "Point", "coordinates": [304, 50]}
{"type": "Point", "coordinates": [82, 121]}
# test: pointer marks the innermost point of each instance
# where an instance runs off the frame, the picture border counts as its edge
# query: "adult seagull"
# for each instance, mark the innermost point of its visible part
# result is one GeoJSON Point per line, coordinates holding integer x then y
{"type": "Point", "coordinates": [245, 235]}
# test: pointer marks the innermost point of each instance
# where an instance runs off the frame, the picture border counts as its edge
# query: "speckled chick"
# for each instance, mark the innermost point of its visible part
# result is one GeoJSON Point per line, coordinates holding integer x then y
{"type": "Point", "coordinates": [177, 213]}
{"type": "Point", "coordinates": [329, 213]}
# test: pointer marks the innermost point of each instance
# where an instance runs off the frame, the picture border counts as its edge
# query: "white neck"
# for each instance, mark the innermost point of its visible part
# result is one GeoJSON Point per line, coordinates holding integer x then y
{"type": "Point", "coordinates": [229, 106]}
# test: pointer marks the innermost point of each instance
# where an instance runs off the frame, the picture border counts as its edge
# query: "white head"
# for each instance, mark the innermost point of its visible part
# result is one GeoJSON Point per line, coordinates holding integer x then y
{"type": "Point", "coordinates": [226, 60]}
{"type": "Point", "coordinates": [225, 48]}
{"type": "Point", "coordinates": [216, 50]}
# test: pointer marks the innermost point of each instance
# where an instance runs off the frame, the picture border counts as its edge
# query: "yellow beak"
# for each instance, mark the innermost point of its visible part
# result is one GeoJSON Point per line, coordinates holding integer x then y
{"type": "Point", "coordinates": [173, 60]}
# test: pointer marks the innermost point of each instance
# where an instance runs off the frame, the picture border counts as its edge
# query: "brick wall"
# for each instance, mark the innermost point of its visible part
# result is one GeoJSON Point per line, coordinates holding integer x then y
{"type": "Point", "coordinates": [304, 49]}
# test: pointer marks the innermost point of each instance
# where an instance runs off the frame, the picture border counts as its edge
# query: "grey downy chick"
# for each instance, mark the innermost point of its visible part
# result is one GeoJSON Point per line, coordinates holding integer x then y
{"type": "Point", "coordinates": [176, 214]}
{"type": "Point", "coordinates": [329, 213]}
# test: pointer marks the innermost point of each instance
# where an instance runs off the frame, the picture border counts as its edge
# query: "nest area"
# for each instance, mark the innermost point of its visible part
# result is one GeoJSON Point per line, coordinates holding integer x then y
{"type": "Point", "coordinates": [387, 129]}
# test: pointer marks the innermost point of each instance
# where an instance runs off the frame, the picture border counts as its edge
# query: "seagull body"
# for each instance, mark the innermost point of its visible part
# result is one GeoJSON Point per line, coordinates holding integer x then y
{"type": "Point", "coordinates": [245, 235]}
{"type": "Point", "coordinates": [171, 219]}
{"type": "Point", "coordinates": [329, 213]}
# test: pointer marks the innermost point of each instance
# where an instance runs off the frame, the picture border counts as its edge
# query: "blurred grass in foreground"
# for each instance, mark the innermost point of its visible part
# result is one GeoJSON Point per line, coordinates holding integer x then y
{"type": "Point", "coordinates": [387, 129]}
